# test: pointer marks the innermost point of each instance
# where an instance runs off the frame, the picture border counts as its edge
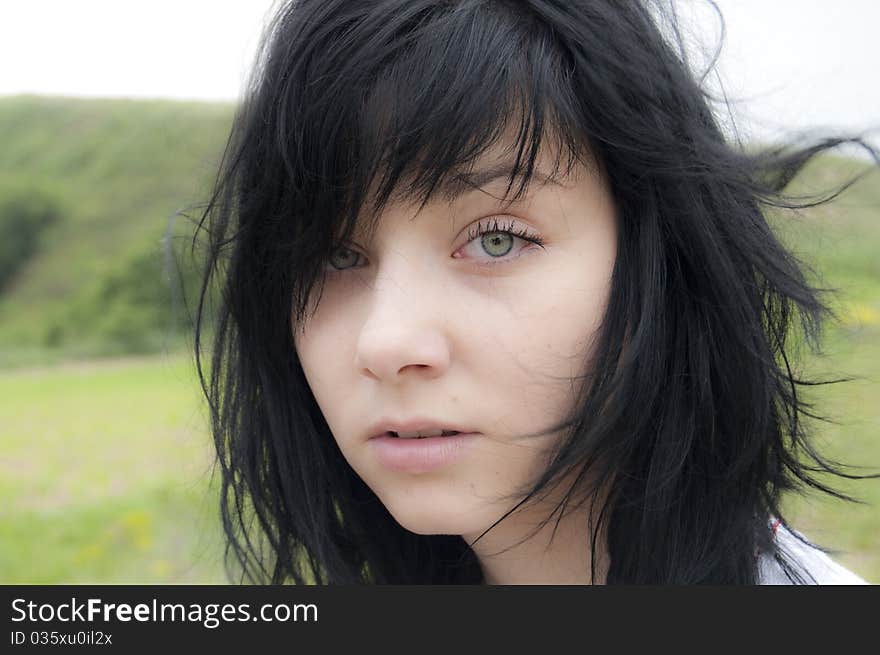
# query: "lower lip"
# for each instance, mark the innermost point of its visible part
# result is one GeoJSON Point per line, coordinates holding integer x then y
{"type": "Point", "coordinates": [421, 455]}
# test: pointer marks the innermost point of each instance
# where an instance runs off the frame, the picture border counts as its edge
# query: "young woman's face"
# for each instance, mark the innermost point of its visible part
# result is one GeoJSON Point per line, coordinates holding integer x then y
{"type": "Point", "coordinates": [484, 335]}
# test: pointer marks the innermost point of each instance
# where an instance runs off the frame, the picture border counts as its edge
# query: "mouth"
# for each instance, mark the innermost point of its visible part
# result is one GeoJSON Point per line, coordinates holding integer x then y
{"type": "Point", "coordinates": [421, 435]}
{"type": "Point", "coordinates": [422, 452]}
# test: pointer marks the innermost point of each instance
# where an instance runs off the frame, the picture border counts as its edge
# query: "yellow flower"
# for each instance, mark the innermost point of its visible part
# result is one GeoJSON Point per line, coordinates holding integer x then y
{"type": "Point", "coordinates": [861, 315]}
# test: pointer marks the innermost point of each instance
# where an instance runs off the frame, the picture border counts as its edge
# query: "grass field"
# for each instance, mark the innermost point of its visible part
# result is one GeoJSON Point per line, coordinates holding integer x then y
{"type": "Point", "coordinates": [105, 475]}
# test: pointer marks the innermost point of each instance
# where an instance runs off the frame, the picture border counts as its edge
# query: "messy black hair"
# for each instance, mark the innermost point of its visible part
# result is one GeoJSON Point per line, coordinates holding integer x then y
{"type": "Point", "coordinates": [689, 417]}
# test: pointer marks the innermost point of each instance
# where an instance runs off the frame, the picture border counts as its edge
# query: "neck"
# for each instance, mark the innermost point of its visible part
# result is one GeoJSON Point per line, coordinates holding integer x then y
{"type": "Point", "coordinates": [513, 552]}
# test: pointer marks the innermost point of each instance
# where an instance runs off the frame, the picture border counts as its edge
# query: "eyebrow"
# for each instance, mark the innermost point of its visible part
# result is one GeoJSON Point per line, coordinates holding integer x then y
{"type": "Point", "coordinates": [460, 183]}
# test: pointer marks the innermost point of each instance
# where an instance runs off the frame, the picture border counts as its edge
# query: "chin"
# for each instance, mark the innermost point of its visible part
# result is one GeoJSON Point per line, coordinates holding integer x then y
{"type": "Point", "coordinates": [431, 518]}
{"type": "Point", "coordinates": [428, 522]}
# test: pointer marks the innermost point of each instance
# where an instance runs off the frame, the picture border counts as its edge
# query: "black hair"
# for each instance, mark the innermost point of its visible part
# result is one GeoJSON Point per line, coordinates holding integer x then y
{"type": "Point", "coordinates": [689, 416]}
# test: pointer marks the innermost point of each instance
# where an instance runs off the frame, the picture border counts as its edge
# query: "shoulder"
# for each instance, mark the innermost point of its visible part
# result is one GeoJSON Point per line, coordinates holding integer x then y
{"type": "Point", "coordinates": [808, 561]}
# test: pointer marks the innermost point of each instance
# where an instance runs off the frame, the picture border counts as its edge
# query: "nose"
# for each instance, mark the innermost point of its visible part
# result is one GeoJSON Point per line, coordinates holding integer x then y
{"type": "Point", "coordinates": [404, 334]}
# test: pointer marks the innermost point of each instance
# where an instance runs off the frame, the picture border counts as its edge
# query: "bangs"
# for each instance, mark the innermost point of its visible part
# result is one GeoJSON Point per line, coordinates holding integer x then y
{"type": "Point", "coordinates": [409, 100]}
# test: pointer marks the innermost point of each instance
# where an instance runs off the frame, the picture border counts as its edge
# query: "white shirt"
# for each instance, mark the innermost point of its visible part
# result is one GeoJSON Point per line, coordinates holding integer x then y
{"type": "Point", "coordinates": [807, 560]}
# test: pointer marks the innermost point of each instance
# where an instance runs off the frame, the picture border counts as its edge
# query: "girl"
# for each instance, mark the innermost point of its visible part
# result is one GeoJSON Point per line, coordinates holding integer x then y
{"type": "Point", "coordinates": [499, 305]}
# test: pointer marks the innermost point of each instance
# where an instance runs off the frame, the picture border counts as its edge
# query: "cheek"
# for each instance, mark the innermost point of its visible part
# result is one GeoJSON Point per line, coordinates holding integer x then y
{"type": "Point", "coordinates": [319, 356]}
{"type": "Point", "coordinates": [555, 326]}
{"type": "Point", "coordinates": [326, 336]}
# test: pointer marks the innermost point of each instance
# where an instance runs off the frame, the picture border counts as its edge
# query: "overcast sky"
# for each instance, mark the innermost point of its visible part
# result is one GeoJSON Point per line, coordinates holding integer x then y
{"type": "Point", "coordinates": [791, 63]}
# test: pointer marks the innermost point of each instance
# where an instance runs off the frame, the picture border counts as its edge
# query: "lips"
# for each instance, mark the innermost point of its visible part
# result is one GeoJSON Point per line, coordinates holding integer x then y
{"type": "Point", "coordinates": [415, 456]}
{"type": "Point", "coordinates": [415, 428]}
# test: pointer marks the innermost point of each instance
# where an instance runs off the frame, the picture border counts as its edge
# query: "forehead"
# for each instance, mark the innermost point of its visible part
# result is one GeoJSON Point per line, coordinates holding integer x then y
{"type": "Point", "coordinates": [500, 172]}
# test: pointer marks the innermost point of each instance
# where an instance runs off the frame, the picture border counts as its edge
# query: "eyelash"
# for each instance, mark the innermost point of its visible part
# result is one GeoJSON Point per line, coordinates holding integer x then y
{"type": "Point", "coordinates": [509, 228]}
{"type": "Point", "coordinates": [480, 229]}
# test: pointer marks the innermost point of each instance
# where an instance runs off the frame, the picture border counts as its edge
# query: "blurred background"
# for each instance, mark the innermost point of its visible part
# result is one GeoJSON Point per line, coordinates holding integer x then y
{"type": "Point", "coordinates": [113, 117]}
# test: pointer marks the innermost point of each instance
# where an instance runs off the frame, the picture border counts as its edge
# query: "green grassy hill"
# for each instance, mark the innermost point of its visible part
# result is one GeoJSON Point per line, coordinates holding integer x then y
{"type": "Point", "coordinates": [120, 169]}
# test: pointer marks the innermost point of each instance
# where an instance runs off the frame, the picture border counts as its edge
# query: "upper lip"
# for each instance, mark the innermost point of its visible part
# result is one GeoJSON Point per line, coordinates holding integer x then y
{"type": "Point", "coordinates": [384, 425]}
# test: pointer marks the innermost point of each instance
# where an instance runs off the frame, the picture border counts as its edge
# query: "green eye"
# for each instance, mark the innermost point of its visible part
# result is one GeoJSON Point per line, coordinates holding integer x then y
{"type": "Point", "coordinates": [343, 258]}
{"type": "Point", "coordinates": [498, 239]}
{"type": "Point", "coordinates": [497, 244]}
